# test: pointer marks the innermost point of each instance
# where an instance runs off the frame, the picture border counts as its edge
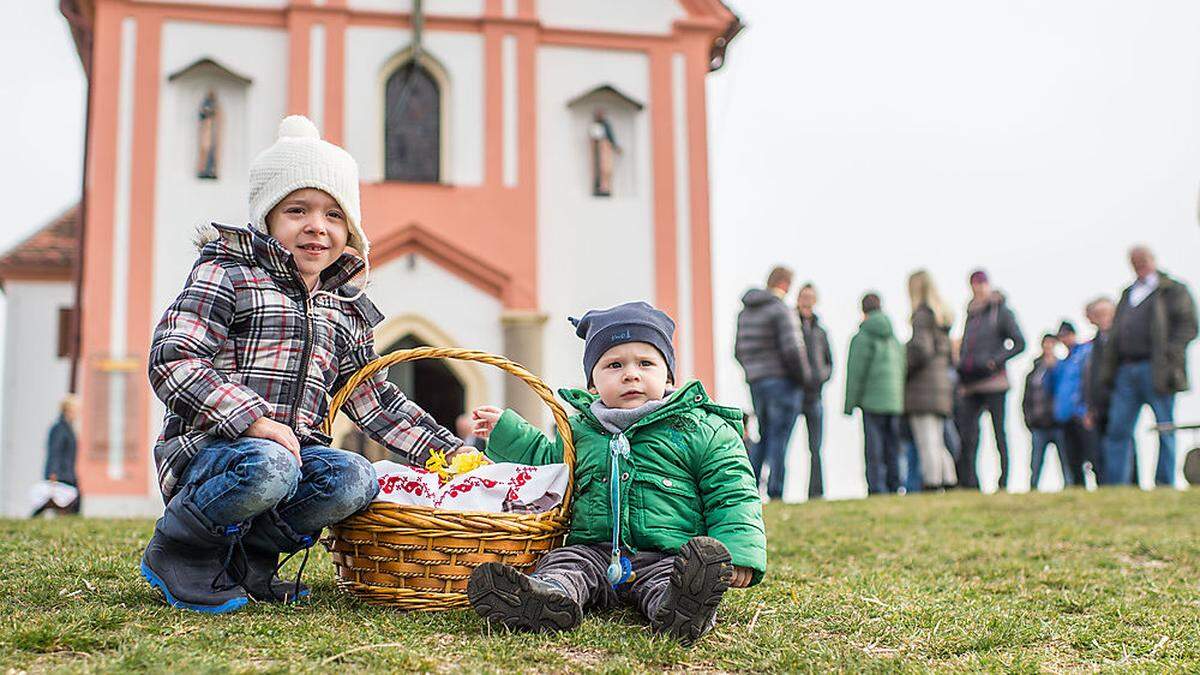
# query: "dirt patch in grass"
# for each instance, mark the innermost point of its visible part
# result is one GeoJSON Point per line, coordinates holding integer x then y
{"type": "Point", "coordinates": [1141, 562]}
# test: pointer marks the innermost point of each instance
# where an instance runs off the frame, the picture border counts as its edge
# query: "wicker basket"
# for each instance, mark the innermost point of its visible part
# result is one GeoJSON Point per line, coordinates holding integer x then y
{"type": "Point", "coordinates": [419, 558]}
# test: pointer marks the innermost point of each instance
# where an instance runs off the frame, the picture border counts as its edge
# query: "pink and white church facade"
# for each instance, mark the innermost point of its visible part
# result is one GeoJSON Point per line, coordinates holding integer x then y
{"type": "Point", "coordinates": [487, 238]}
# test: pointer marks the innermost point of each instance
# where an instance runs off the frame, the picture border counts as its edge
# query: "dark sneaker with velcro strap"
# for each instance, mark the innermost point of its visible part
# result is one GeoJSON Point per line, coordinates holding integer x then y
{"type": "Point", "coordinates": [501, 593]}
{"type": "Point", "coordinates": [702, 573]}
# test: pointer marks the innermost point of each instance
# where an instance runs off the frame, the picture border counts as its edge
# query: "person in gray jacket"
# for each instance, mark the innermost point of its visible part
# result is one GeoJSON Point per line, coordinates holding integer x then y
{"type": "Point", "coordinates": [770, 348]}
{"type": "Point", "coordinates": [820, 362]}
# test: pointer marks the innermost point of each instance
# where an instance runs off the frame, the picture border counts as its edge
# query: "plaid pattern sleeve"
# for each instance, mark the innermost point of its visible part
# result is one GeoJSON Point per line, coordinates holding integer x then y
{"type": "Point", "coordinates": [383, 412]}
{"type": "Point", "coordinates": [189, 335]}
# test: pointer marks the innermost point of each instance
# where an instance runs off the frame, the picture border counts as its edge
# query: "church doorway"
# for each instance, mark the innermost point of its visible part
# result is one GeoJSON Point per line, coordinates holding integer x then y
{"type": "Point", "coordinates": [429, 383]}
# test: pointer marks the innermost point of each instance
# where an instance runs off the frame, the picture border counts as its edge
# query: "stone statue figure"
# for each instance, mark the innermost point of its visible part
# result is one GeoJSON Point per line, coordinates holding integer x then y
{"type": "Point", "coordinates": [604, 150]}
{"type": "Point", "coordinates": [207, 136]}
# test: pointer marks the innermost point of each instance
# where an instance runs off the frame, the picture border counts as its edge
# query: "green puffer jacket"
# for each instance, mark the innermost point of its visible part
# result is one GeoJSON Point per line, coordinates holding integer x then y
{"type": "Point", "coordinates": [875, 369]}
{"type": "Point", "coordinates": [687, 475]}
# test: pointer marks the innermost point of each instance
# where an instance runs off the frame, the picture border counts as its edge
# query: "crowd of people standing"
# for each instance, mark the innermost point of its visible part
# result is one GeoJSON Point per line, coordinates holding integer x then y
{"type": "Point", "coordinates": [922, 402]}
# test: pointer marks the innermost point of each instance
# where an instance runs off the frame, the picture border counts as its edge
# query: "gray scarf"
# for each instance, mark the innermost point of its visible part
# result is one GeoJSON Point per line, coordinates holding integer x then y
{"type": "Point", "coordinates": [617, 420]}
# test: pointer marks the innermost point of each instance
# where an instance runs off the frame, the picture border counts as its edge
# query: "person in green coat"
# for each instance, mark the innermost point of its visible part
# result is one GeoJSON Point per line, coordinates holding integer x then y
{"type": "Point", "coordinates": [666, 514]}
{"type": "Point", "coordinates": [875, 384]}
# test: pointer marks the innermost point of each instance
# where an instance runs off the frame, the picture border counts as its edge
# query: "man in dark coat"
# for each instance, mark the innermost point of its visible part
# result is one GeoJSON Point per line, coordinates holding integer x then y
{"type": "Point", "coordinates": [770, 348]}
{"type": "Point", "coordinates": [820, 362]}
{"type": "Point", "coordinates": [991, 337]}
{"type": "Point", "coordinates": [1145, 363]}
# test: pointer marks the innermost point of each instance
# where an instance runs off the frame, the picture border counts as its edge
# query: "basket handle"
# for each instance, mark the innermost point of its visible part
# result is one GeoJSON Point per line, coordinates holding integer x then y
{"type": "Point", "coordinates": [401, 355]}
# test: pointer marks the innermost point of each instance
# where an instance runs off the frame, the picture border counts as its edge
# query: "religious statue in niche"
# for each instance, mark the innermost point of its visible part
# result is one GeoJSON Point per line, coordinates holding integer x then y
{"type": "Point", "coordinates": [604, 151]}
{"type": "Point", "coordinates": [208, 136]}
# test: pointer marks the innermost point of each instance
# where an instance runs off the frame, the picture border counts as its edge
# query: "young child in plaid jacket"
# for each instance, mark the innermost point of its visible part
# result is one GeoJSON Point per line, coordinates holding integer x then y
{"type": "Point", "coordinates": [266, 326]}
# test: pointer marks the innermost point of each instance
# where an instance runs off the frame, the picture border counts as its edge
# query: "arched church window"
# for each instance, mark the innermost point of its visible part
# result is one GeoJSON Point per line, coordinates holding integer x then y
{"type": "Point", "coordinates": [412, 123]}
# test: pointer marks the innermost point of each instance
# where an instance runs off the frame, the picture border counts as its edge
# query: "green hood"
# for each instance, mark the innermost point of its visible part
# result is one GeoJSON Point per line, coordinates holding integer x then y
{"type": "Point", "coordinates": [877, 325]}
{"type": "Point", "coordinates": [875, 368]}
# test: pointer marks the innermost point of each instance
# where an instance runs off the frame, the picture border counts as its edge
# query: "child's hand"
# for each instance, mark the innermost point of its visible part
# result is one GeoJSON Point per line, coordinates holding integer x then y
{"type": "Point", "coordinates": [742, 576]}
{"type": "Point", "coordinates": [270, 430]}
{"type": "Point", "coordinates": [485, 418]}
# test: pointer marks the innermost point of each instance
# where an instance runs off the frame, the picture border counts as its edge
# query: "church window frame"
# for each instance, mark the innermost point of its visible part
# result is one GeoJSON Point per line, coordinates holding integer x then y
{"type": "Point", "coordinates": [441, 79]}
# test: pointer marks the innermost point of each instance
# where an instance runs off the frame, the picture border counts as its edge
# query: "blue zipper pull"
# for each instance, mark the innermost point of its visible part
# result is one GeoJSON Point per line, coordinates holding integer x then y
{"type": "Point", "coordinates": [619, 446]}
{"type": "Point", "coordinates": [620, 570]}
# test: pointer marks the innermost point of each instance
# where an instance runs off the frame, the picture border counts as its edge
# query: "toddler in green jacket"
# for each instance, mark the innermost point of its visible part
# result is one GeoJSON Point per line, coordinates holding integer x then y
{"type": "Point", "coordinates": [666, 514]}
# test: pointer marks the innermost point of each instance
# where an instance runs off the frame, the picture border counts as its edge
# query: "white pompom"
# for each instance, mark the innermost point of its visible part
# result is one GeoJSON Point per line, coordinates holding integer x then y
{"type": "Point", "coordinates": [298, 126]}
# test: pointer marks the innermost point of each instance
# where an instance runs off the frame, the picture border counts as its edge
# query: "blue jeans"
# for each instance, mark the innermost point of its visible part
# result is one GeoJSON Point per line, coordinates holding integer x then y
{"type": "Point", "coordinates": [952, 439]}
{"type": "Point", "coordinates": [910, 472]}
{"type": "Point", "coordinates": [814, 418]}
{"type": "Point", "coordinates": [237, 480]}
{"type": "Point", "coordinates": [881, 435]}
{"type": "Point", "coordinates": [1133, 388]}
{"type": "Point", "coordinates": [777, 402]}
{"type": "Point", "coordinates": [1042, 438]}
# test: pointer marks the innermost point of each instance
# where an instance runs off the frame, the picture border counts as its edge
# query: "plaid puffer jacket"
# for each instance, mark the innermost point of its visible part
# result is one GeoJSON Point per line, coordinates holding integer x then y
{"type": "Point", "coordinates": [245, 339]}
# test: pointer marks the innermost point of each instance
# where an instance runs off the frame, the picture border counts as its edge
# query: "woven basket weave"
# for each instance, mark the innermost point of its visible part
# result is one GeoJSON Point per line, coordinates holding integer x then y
{"type": "Point", "coordinates": [419, 558]}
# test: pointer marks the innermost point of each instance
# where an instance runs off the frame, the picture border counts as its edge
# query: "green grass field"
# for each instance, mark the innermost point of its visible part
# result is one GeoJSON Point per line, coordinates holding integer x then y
{"type": "Point", "coordinates": [1074, 581]}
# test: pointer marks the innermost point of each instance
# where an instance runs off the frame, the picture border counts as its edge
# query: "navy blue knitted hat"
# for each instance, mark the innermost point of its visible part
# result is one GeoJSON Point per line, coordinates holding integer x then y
{"type": "Point", "coordinates": [603, 329]}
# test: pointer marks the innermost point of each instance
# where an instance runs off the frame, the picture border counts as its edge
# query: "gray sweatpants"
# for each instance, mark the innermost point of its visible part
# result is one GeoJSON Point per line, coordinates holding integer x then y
{"type": "Point", "coordinates": [580, 568]}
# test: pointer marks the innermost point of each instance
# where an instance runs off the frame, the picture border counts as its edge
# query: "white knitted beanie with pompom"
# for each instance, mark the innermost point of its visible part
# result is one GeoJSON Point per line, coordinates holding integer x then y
{"type": "Point", "coordinates": [300, 159]}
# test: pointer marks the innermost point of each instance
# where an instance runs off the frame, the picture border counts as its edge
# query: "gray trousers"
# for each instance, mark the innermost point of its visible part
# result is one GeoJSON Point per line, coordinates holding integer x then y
{"type": "Point", "coordinates": [580, 569]}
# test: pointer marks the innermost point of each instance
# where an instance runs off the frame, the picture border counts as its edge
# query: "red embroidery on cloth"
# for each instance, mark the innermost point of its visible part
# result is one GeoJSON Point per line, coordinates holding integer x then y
{"type": "Point", "coordinates": [392, 483]}
{"type": "Point", "coordinates": [469, 483]}
{"type": "Point", "coordinates": [519, 480]}
{"type": "Point", "coordinates": [389, 484]}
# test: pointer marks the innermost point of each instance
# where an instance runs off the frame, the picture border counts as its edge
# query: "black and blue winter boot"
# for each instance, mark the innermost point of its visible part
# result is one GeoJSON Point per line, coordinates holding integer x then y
{"type": "Point", "coordinates": [189, 558]}
{"type": "Point", "coordinates": [269, 536]}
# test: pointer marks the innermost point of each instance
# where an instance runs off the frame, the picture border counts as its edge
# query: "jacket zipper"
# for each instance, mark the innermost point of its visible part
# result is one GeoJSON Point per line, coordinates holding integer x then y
{"type": "Point", "coordinates": [305, 357]}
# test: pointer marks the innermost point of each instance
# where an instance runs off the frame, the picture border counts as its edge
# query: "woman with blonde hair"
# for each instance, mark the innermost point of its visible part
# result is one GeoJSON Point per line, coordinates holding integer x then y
{"type": "Point", "coordinates": [928, 391]}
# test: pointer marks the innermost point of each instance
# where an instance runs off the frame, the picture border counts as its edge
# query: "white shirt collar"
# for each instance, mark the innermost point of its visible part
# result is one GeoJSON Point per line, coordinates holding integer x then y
{"type": "Point", "coordinates": [1142, 288]}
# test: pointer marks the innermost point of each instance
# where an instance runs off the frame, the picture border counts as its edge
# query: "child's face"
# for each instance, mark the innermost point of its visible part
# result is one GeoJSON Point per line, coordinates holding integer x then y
{"type": "Point", "coordinates": [629, 375]}
{"type": "Point", "coordinates": [311, 225]}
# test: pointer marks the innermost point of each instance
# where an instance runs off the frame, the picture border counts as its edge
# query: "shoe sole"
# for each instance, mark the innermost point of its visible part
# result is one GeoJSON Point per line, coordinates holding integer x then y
{"type": "Point", "coordinates": [500, 593]}
{"type": "Point", "coordinates": [224, 608]}
{"type": "Point", "coordinates": [702, 573]}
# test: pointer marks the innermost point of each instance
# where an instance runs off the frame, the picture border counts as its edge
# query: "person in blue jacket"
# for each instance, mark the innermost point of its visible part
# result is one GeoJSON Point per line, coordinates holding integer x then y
{"type": "Point", "coordinates": [1066, 384]}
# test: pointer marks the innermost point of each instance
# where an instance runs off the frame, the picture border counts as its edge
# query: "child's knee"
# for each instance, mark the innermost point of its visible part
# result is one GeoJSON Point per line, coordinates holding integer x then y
{"type": "Point", "coordinates": [270, 470]}
{"type": "Point", "coordinates": [346, 483]}
{"type": "Point", "coordinates": [361, 480]}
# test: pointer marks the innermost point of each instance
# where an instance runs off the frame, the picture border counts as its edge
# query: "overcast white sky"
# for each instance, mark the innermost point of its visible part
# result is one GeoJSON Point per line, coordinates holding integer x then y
{"type": "Point", "coordinates": [856, 141]}
{"type": "Point", "coordinates": [859, 140]}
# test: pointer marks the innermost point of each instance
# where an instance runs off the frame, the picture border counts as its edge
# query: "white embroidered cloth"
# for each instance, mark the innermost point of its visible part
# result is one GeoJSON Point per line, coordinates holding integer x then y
{"type": "Point", "coordinates": [60, 494]}
{"type": "Point", "coordinates": [496, 488]}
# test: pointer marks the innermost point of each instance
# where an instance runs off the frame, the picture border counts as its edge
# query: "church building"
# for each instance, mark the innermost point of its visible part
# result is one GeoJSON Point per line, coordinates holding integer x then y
{"type": "Point", "coordinates": [522, 161]}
